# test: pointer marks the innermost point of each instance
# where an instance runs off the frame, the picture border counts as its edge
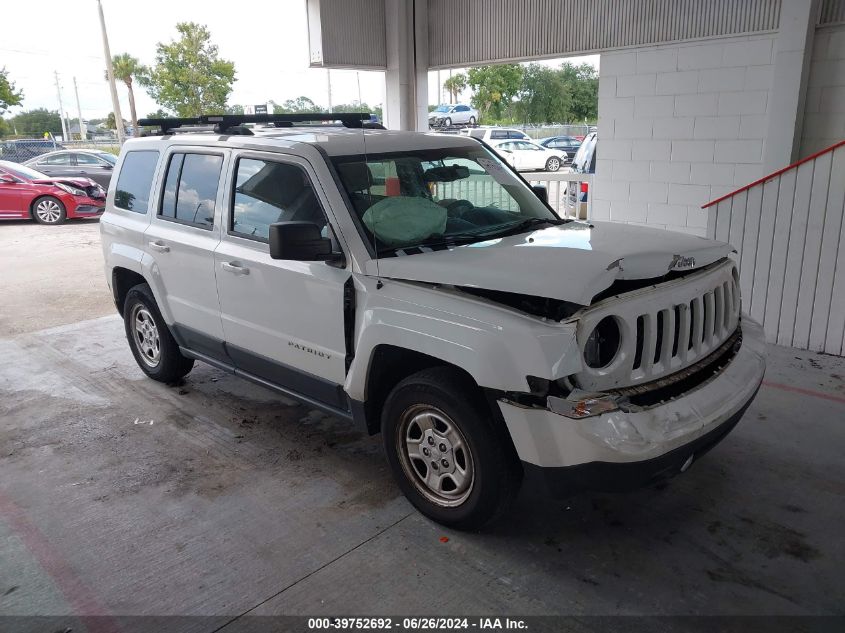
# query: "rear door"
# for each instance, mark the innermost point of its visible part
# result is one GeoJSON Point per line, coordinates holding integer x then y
{"type": "Point", "coordinates": [56, 165]}
{"type": "Point", "coordinates": [283, 320]}
{"type": "Point", "coordinates": [90, 166]}
{"type": "Point", "coordinates": [181, 239]}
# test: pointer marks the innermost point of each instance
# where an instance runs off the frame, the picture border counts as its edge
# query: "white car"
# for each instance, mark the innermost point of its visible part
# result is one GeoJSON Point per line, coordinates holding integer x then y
{"type": "Point", "coordinates": [530, 156]}
{"type": "Point", "coordinates": [415, 286]}
{"type": "Point", "coordinates": [452, 114]}
{"type": "Point", "coordinates": [490, 134]}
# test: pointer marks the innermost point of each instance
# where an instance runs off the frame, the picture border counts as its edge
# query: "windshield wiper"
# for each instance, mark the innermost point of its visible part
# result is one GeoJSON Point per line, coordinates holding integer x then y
{"type": "Point", "coordinates": [523, 225]}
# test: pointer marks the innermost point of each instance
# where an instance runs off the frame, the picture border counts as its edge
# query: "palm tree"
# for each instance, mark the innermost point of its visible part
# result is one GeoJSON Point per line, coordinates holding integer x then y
{"type": "Point", "coordinates": [125, 69]}
{"type": "Point", "coordinates": [455, 85]}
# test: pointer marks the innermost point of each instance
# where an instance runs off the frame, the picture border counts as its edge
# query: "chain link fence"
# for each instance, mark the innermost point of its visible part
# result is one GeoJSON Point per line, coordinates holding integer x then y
{"type": "Point", "coordinates": [20, 150]}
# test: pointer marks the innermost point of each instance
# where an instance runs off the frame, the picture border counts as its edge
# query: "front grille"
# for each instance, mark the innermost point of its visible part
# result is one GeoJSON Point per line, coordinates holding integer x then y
{"type": "Point", "coordinates": [665, 328]}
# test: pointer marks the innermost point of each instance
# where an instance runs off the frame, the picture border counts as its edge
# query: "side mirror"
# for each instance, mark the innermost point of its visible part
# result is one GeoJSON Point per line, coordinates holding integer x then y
{"type": "Point", "coordinates": [541, 192]}
{"type": "Point", "coordinates": [300, 241]}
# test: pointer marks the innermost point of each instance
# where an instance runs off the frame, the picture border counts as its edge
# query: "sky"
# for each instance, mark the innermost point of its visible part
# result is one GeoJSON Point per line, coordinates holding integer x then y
{"type": "Point", "coordinates": [268, 43]}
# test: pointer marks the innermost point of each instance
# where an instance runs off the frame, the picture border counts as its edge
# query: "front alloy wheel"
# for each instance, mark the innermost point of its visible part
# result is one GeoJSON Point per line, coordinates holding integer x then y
{"type": "Point", "coordinates": [435, 455]}
{"type": "Point", "coordinates": [452, 460]}
{"type": "Point", "coordinates": [553, 164]}
{"type": "Point", "coordinates": [49, 210]}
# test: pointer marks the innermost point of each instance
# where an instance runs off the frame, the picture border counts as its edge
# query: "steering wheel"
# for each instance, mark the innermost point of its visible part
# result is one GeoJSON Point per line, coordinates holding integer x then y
{"type": "Point", "coordinates": [456, 208]}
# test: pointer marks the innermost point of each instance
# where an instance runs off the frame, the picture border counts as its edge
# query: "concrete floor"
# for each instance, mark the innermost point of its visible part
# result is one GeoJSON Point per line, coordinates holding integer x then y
{"type": "Point", "coordinates": [119, 495]}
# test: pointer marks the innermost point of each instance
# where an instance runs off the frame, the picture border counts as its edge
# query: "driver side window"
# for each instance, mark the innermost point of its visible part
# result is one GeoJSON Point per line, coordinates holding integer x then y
{"type": "Point", "coordinates": [267, 192]}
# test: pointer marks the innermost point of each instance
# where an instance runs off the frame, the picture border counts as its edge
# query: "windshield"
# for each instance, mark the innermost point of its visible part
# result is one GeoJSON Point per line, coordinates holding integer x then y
{"type": "Point", "coordinates": [442, 108]}
{"type": "Point", "coordinates": [437, 198]}
{"type": "Point", "coordinates": [25, 173]}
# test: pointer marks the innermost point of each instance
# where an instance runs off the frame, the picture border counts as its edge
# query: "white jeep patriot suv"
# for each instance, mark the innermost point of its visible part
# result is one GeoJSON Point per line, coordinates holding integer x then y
{"type": "Point", "coordinates": [417, 286]}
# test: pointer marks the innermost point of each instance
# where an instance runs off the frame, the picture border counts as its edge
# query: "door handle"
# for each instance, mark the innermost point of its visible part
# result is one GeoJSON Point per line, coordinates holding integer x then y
{"type": "Point", "coordinates": [235, 267]}
{"type": "Point", "coordinates": [159, 246]}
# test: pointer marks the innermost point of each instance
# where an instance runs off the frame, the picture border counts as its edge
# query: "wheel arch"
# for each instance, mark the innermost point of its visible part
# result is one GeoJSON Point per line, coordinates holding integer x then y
{"type": "Point", "coordinates": [388, 366]}
{"type": "Point", "coordinates": [124, 280]}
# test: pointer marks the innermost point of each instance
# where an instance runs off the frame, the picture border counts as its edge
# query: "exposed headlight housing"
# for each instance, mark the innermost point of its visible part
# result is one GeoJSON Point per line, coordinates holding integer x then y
{"type": "Point", "coordinates": [71, 190]}
{"type": "Point", "coordinates": [603, 343]}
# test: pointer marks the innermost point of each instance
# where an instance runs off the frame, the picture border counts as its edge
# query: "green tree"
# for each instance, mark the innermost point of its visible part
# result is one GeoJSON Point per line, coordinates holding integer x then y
{"type": "Point", "coordinates": [584, 82]}
{"type": "Point", "coordinates": [5, 128]}
{"type": "Point", "coordinates": [544, 97]}
{"type": "Point", "coordinates": [159, 114]}
{"type": "Point", "coordinates": [188, 76]}
{"type": "Point", "coordinates": [36, 122]}
{"type": "Point", "coordinates": [494, 88]}
{"type": "Point", "coordinates": [9, 95]}
{"type": "Point", "coordinates": [126, 68]}
{"type": "Point", "coordinates": [296, 106]}
{"type": "Point", "coordinates": [455, 85]}
{"type": "Point", "coordinates": [235, 109]}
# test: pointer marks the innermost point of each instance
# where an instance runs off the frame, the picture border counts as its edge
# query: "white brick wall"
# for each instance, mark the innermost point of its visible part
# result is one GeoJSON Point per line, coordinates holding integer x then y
{"type": "Point", "coordinates": [824, 111]}
{"type": "Point", "coordinates": [682, 124]}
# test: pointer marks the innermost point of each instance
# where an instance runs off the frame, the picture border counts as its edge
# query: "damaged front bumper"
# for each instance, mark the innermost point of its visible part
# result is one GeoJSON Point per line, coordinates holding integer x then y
{"type": "Point", "coordinates": [622, 449]}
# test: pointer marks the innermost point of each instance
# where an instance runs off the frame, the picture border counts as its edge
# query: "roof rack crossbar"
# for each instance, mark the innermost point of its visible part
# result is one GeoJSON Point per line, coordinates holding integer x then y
{"type": "Point", "coordinates": [223, 122]}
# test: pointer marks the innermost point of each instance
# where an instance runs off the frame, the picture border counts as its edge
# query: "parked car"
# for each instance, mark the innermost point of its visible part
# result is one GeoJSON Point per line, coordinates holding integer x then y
{"type": "Point", "coordinates": [414, 285]}
{"type": "Point", "coordinates": [584, 162]}
{"type": "Point", "coordinates": [452, 114]}
{"type": "Point", "coordinates": [94, 164]}
{"type": "Point", "coordinates": [489, 134]}
{"type": "Point", "coordinates": [21, 150]}
{"type": "Point", "coordinates": [568, 144]}
{"type": "Point", "coordinates": [26, 193]}
{"type": "Point", "coordinates": [528, 156]}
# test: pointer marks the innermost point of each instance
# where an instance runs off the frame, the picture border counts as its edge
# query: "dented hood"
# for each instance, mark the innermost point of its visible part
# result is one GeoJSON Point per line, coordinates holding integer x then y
{"type": "Point", "coordinates": [571, 262]}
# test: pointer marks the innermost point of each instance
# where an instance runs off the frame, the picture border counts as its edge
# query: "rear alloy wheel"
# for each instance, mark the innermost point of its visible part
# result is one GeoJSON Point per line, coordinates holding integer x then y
{"type": "Point", "coordinates": [449, 457]}
{"type": "Point", "coordinates": [553, 164]}
{"type": "Point", "coordinates": [49, 210]}
{"type": "Point", "coordinates": [152, 344]}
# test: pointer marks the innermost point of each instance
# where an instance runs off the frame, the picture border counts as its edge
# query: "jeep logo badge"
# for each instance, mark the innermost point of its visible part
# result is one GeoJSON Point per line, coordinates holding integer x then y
{"type": "Point", "coordinates": [680, 262]}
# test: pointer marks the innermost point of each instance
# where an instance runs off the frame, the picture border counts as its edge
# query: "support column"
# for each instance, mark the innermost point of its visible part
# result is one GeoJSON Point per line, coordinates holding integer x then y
{"type": "Point", "coordinates": [793, 52]}
{"type": "Point", "coordinates": [406, 78]}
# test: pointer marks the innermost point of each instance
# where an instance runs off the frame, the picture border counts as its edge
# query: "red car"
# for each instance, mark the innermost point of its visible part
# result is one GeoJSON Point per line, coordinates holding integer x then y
{"type": "Point", "coordinates": [26, 193]}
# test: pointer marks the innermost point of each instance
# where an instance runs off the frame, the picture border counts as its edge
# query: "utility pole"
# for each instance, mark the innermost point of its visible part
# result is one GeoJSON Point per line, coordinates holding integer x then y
{"type": "Point", "coordinates": [83, 133]}
{"type": "Point", "coordinates": [329, 80]}
{"type": "Point", "coordinates": [118, 119]}
{"type": "Point", "coordinates": [65, 136]}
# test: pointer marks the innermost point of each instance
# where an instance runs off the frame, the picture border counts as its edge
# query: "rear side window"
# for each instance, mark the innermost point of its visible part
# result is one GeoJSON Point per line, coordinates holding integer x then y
{"type": "Point", "coordinates": [135, 181]}
{"type": "Point", "coordinates": [190, 189]}
{"type": "Point", "coordinates": [498, 134]}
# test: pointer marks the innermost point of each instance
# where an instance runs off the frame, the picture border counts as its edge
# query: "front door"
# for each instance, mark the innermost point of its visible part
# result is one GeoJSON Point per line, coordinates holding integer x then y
{"type": "Point", "coordinates": [12, 196]}
{"type": "Point", "coordinates": [181, 239]}
{"type": "Point", "coordinates": [283, 320]}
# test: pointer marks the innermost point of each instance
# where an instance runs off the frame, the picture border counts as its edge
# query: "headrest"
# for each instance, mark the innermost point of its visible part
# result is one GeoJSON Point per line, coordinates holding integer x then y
{"type": "Point", "coordinates": [356, 176]}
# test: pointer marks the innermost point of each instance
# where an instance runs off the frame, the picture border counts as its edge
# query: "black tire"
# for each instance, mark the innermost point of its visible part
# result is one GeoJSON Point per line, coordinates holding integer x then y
{"type": "Point", "coordinates": [447, 122]}
{"type": "Point", "coordinates": [472, 120]}
{"type": "Point", "coordinates": [48, 210]}
{"type": "Point", "coordinates": [553, 164]}
{"type": "Point", "coordinates": [496, 471]}
{"type": "Point", "coordinates": [168, 365]}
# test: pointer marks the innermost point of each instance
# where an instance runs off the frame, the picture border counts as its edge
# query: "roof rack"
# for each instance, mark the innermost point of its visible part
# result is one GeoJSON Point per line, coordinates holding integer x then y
{"type": "Point", "coordinates": [233, 123]}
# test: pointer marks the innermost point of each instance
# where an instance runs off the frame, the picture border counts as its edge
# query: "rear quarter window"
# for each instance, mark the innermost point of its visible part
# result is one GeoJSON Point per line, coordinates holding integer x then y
{"type": "Point", "coordinates": [135, 181]}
